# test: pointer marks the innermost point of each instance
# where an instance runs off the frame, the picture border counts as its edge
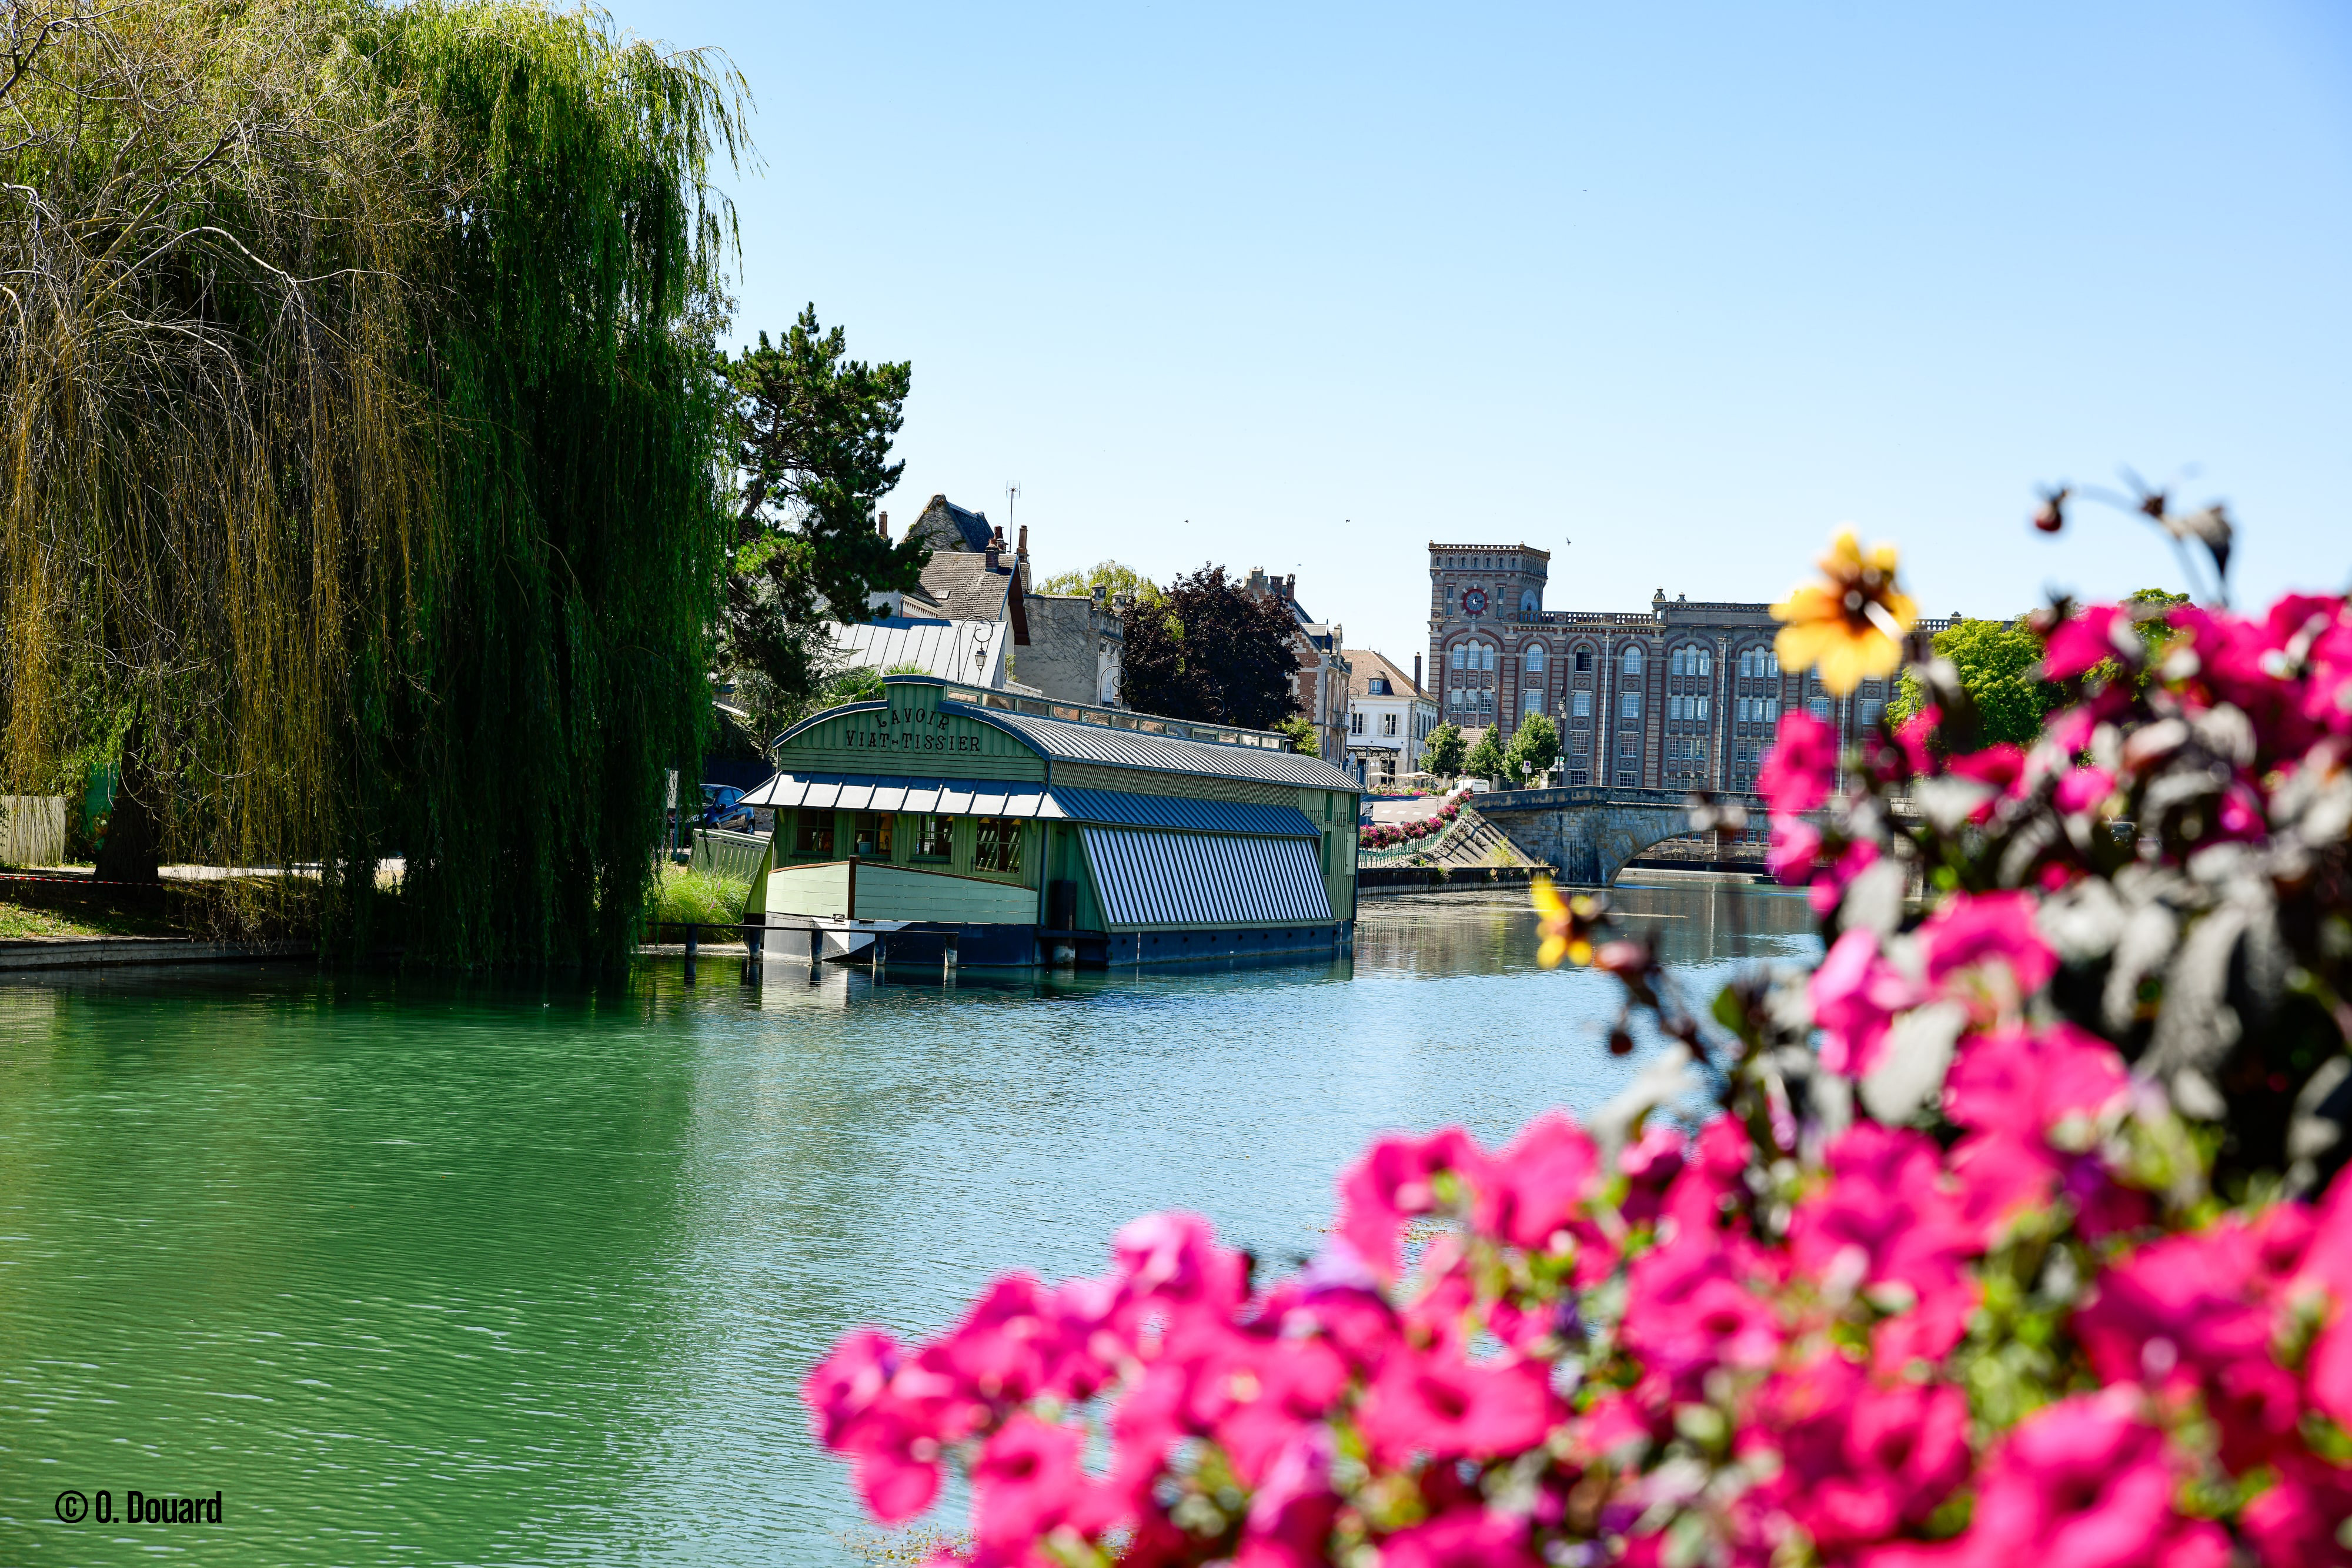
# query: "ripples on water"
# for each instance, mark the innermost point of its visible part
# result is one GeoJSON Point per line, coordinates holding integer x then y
{"type": "Point", "coordinates": [414, 1272]}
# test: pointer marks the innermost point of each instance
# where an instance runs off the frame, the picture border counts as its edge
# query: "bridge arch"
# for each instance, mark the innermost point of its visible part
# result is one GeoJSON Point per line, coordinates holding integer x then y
{"type": "Point", "coordinates": [1587, 834]}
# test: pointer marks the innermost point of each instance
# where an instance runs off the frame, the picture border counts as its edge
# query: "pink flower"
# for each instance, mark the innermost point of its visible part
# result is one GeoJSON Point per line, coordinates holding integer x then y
{"type": "Point", "coordinates": [1436, 1403]}
{"type": "Point", "coordinates": [1913, 737]}
{"type": "Point", "coordinates": [1860, 1460]}
{"type": "Point", "coordinates": [1887, 1218]}
{"type": "Point", "coordinates": [842, 1389]}
{"type": "Point", "coordinates": [1396, 1180]}
{"type": "Point", "coordinates": [1463, 1538]}
{"type": "Point", "coordinates": [1970, 931]}
{"type": "Point", "coordinates": [1796, 845]}
{"type": "Point", "coordinates": [1027, 1483]}
{"type": "Point", "coordinates": [2297, 1524]}
{"type": "Point", "coordinates": [1537, 1187]}
{"type": "Point", "coordinates": [2193, 1312]}
{"type": "Point", "coordinates": [1796, 774]}
{"type": "Point", "coordinates": [2083, 1482]}
{"type": "Point", "coordinates": [1829, 887]}
{"type": "Point", "coordinates": [1172, 1259]}
{"type": "Point", "coordinates": [2101, 631]}
{"type": "Point", "coordinates": [2027, 1081]}
{"type": "Point", "coordinates": [1855, 996]}
{"type": "Point", "coordinates": [2082, 789]}
{"type": "Point", "coordinates": [1691, 1306]}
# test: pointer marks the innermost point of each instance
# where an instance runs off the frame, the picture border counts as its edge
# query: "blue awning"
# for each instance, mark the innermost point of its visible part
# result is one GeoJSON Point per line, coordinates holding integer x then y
{"type": "Point", "coordinates": [1189, 879]}
{"type": "Point", "coordinates": [1117, 807]}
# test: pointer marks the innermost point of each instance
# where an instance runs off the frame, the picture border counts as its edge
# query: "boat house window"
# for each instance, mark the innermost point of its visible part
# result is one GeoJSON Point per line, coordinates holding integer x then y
{"type": "Point", "coordinates": [873, 835]}
{"type": "Point", "coordinates": [817, 833]}
{"type": "Point", "coordinates": [935, 838]}
{"type": "Point", "coordinates": [998, 846]}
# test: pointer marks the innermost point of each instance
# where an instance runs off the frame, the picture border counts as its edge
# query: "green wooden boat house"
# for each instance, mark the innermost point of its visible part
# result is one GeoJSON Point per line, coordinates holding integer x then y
{"type": "Point", "coordinates": [1011, 831]}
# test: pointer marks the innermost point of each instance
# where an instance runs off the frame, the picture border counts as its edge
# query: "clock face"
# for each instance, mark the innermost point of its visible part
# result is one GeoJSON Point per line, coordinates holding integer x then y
{"type": "Point", "coordinates": [1474, 603]}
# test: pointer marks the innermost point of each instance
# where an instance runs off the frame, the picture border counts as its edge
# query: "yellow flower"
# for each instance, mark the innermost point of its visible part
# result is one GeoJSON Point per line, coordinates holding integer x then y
{"type": "Point", "coordinates": [1851, 626]}
{"type": "Point", "coordinates": [1566, 924]}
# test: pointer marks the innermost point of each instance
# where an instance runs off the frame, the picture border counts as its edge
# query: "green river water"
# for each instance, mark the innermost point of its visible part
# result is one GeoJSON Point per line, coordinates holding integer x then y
{"type": "Point", "coordinates": [411, 1271]}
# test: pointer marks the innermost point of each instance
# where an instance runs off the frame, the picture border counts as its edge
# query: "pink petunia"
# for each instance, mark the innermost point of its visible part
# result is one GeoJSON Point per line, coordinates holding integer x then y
{"type": "Point", "coordinates": [2084, 788]}
{"type": "Point", "coordinates": [1539, 1184]}
{"type": "Point", "coordinates": [1463, 1538]}
{"type": "Point", "coordinates": [1435, 1402]}
{"type": "Point", "coordinates": [1695, 1304]}
{"type": "Point", "coordinates": [1829, 884]}
{"type": "Point", "coordinates": [2100, 632]}
{"type": "Point", "coordinates": [2028, 1081]}
{"type": "Point", "coordinates": [2083, 1482]}
{"type": "Point", "coordinates": [1395, 1180]}
{"type": "Point", "coordinates": [1796, 774]}
{"type": "Point", "coordinates": [1855, 996]}
{"type": "Point", "coordinates": [1888, 1215]}
{"type": "Point", "coordinates": [1860, 1460]}
{"type": "Point", "coordinates": [1973, 931]}
{"type": "Point", "coordinates": [2298, 1521]}
{"type": "Point", "coordinates": [1027, 1482]}
{"type": "Point", "coordinates": [1795, 845]}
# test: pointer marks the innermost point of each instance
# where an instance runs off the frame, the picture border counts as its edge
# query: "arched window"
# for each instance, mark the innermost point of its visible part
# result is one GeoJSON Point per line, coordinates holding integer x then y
{"type": "Point", "coordinates": [1748, 664]}
{"type": "Point", "coordinates": [1487, 654]}
{"type": "Point", "coordinates": [1457, 656]}
{"type": "Point", "coordinates": [1583, 660]}
{"type": "Point", "coordinates": [1633, 661]}
{"type": "Point", "coordinates": [1535, 658]}
{"type": "Point", "coordinates": [1707, 660]}
{"type": "Point", "coordinates": [1528, 604]}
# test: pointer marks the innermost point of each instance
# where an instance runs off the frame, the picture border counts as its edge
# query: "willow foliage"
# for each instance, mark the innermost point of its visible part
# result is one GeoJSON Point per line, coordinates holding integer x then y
{"type": "Point", "coordinates": [365, 442]}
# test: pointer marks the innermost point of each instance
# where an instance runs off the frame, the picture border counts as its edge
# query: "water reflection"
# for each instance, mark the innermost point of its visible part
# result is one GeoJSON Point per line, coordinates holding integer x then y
{"type": "Point", "coordinates": [487, 1274]}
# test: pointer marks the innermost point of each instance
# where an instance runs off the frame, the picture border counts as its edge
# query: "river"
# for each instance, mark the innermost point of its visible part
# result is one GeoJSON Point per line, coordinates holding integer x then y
{"type": "Point", "coordinates": [418, 1272]}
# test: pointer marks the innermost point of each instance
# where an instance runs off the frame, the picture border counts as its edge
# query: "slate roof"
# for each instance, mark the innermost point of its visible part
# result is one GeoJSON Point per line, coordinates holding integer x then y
{"type": "Point", "coordinates": [949, 526]}
{"type": "Point", "coordinates": [1365, 663]}
{"type": "Point", "coordinates": [960, 586]}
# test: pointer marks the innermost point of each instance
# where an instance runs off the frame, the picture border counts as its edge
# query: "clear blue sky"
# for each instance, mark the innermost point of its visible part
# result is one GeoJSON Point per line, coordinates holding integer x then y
{"type": "Point", "coordinates": [1306, 287]}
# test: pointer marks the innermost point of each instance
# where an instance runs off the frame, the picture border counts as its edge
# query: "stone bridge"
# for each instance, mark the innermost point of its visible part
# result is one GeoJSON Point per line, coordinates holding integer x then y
{"type": "Point", "coordinates": [1589, 832]}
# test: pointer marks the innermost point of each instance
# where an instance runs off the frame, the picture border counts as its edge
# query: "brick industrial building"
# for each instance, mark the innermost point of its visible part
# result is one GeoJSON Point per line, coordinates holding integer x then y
{"type": "Point", "coordinates": [1684, 696]}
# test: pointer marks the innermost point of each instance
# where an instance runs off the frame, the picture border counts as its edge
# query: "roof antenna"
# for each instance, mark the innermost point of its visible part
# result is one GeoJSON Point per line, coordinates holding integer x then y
{"type": "Point", "coordinates": [1012, 494]}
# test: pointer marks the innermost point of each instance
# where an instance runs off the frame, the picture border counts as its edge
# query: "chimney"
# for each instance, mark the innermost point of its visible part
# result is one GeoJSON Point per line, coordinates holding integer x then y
{"type": "Point", "coordinates": [1416, 671]}
{"type": "Point", "coordinates": [1290, 587]}
{"type": "Point", "coordinates": [995, 547]}
{"type": "Point", "coordinates": [1097, 594]}
{"type": "Point", "coordinates": [882, 525]}
{"type": "Point", "coordinates": [1258, 579]}
{"type": "Point", "coordinates": [1024, 546]}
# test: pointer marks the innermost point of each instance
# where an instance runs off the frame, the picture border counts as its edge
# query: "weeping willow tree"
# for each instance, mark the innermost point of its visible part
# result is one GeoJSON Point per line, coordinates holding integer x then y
{"type": "Point", "coordinates": [364, 444]}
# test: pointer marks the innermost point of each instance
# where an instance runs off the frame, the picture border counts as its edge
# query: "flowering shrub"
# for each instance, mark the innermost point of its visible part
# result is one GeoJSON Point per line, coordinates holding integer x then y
{"type": "Point", "coordinates": [2010, 1233]}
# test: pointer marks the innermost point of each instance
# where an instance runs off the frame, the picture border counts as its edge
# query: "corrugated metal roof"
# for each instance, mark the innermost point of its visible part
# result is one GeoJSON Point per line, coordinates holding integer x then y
{"type": "Point", "coordinates": [1118, 806]}
{"type": "Point", "coordinates": [942, 648]}
{"type": "Point", "coordinates": [1187, 879]}
{"type": "Point", "coordinates": [1162, 754]}
{"type": "Point", "coordinates": [974, 798]}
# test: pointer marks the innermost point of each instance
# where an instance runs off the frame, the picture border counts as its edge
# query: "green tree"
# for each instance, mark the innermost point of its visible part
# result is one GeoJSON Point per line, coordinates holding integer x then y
{"type": "Point", "coordinates": [1535, 746]}
{"type": "Point", "coordinates": [1486, 759]}
{"type": "Point", "coordinates": [813, 430]}
{"type": "Point", "coordinates": [1210, 650]}
{"type": "Point", "coordinates": [1441, 753]}
{"type": "Point", "coordinates": [366, 427]}
{"type": "Point", "coordinates": [1301, 730]}
{"type": "Point", "coordinates": [1107, 575]}
{"type": "Point", "coordinates": [1998, 662]}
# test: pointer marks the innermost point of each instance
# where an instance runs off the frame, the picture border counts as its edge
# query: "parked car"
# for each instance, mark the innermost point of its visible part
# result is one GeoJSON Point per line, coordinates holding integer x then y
{"type": "Point", "coordinates": [721, 809]}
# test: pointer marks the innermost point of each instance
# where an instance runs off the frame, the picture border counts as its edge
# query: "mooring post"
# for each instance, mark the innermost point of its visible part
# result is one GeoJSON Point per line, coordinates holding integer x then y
{"type": "Point", "coordinates": [753, 941]}
{"type": "Point", "coordinates": [692, 930]}
{"type": "Point", "coordinates": [947, 962]}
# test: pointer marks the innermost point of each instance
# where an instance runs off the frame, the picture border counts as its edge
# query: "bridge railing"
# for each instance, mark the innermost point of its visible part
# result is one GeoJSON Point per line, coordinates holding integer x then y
{"type": "Point", "coordinates": [1598, 795]}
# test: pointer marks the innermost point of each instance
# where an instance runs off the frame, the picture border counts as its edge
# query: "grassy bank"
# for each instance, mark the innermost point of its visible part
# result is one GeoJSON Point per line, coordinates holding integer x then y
{"type": "Point", "coordinates": [699, 898]}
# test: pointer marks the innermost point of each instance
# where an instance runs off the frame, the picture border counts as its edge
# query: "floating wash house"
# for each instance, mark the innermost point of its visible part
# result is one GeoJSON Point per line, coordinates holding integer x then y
{"type": "Point", "coordinates": [1010, 831]}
